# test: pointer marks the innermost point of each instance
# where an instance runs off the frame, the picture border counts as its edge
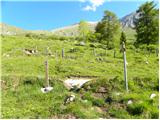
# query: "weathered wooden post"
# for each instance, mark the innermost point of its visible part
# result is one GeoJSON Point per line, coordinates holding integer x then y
{"type": "Point", "coordinates": [47, 87]}
{"type": "Point", "coordinates": [114, 53]}
{"type": "Point", "coordinates": [46, 73]}
{"type": "Point", "coordinates": [62, 53]}
{"type": "Point", "coordinates": [94, 52]}
{"type": "Point", "coordinates": [125, 66]}
{"type": "Point", "coordinates": [157, 51]}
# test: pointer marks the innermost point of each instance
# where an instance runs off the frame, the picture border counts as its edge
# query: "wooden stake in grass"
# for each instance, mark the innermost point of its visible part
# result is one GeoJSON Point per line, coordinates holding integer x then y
{"type": "Point", "coordinates": [125, 66]}
{"type": "Point", "coordinates": [94, 52]}
{"type": "Point", "coordinates": [62, 53]}
{"type": "Point", "coordinates": [47, 73]}
{"type": "Point", "coordinates": [157, 52]}
{"type": "Point", "coordinates": [114, 53]}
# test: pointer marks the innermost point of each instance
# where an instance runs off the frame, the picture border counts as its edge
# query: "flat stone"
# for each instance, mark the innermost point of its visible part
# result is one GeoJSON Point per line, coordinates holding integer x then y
{"type": "Point", "coordinates": [75, 82]}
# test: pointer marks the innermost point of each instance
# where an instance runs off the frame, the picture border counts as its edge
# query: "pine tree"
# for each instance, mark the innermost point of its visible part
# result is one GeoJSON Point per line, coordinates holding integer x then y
{"type": "Point", "coordinates": [123, 38]}
{"type": "Point", "coordinates": [146, 24]}
{"type": "Point", "coordinates": [108, 28]}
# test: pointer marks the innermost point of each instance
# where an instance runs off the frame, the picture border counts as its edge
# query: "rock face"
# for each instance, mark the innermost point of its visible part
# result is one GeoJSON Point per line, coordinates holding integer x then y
{"type": "Point", "coordinates": [128, 20]}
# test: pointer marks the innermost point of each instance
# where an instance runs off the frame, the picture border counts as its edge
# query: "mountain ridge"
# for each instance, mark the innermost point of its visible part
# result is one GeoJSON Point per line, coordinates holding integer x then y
{"type": "Point", "coordinates": [70, 30]}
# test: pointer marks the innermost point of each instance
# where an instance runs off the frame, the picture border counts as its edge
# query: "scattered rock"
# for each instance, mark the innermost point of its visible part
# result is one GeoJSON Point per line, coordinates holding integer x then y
{"type": "Point", "coordinates": [147, 62]}
{"type": "Point", "coordinates": [29, 52]}
{"type": "Point", "coordinates": [6, 55]}
{"type": "Point", "coordinates": [102, 90]}
{"type": "Point", "coordinates": [46, 89]}
{"type": "Point", "coordinates": [152, 95]}
{"type": "Point", "coordinates": [98, 110]}
{"type": "Point", "coordinates": [69, 99]}
{"type": "Point", "coordinates": [129, 102]}
{"type": "Point", "coordinates": [118, 94]}
{"type": "Point", "coordinates": [82, 43]}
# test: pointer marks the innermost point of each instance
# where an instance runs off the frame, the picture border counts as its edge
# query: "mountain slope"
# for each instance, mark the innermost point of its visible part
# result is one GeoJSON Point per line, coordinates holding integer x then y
{"type": "Point", "coordinates": [72, 30]}
{"type": "Point", "coordinates": [6, 29]}
{"type": "Point", "coordinates": [128, 20]}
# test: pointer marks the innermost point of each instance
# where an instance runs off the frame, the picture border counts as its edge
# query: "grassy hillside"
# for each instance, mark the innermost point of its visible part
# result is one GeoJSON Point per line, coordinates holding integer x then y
{"type": "Point", "coordinates": [23, 76]}
{"type": "Point", "coordinates": [73, 30]}
{"type": "Point", "coordinates": [10, 30]}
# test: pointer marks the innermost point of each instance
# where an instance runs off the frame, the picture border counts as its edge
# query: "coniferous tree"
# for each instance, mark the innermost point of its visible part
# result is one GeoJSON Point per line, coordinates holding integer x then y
{"type": "Point", "coordinates": [108, 28]}
{"type": "Point", "coordinates": [146, 24]}
{"type": "Point", "coordinates": [123, 38]}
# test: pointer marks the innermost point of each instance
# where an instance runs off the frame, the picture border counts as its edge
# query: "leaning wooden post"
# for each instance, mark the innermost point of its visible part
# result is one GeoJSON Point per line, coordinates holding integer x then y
{"type": "Point", "coordinates": [125, 66]}
{"type": "Point", "coordinates": [62, 53]}
{"type": "Point", "coordinates": [46, 73]}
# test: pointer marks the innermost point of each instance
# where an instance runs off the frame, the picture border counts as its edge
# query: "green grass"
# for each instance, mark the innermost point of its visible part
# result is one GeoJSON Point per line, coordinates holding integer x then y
{"type": "Point", "coordinates": [23, 76]}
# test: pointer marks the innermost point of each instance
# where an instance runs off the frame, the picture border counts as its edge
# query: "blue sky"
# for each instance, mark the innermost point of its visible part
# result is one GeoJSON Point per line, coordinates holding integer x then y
{"type": "Point", "coordinates": [50, 14]}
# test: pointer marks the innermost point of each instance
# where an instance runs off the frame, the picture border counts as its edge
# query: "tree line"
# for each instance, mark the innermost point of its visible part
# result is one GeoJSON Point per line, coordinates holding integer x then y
{"type": "Point", "coordinates": [109, 29]}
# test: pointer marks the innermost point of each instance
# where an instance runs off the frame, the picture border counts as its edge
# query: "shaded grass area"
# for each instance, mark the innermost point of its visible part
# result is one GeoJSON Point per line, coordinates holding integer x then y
{"type": "Point", "coordinates": [23, 76]}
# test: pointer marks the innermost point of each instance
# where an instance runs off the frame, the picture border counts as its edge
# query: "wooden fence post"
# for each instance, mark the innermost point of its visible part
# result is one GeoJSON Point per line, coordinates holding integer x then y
{"type": "Point", "coordinates": [46, 73]}
{"type": "Point", "coordinates": [114, 53]}
{"type": "Point", "coordinates": [94, 52]}
{"type": "Point", "coordinates": [125, 66]}
{"type": "Point", "coordinates": [157, 52]}
{"type": "Point", "coordinates": [62, 53]}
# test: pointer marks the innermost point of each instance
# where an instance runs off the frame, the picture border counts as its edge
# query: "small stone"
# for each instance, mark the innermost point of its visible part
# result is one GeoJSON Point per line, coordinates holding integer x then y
{"type": "Point", "coordinates": [72, 97]}
{"type": "Point", "coordinates": [102, 90]}
{"type": "Point", "coordinates": [117, 94]}
{"type": "Point", "coordinates": [147, 62]}
{"type": "Point", "coordinates": [152, 95]}
{"type": "Point", "coordinates": [69, 99]}
{"type": "Point", "coordinates": [129, 102]}
{"type": "Point", "coordinates": [46, 89]}
{"type": "Point", "coordinates": [82, 43]}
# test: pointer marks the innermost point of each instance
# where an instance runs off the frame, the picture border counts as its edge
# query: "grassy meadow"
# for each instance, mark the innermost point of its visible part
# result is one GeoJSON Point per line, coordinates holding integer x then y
{"type": "Point", "coordinates": [23, 76]}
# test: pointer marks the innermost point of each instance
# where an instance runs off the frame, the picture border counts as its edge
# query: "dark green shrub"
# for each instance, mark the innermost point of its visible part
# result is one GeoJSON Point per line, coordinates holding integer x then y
{"type": "Point", "coordinates": [135, 109]}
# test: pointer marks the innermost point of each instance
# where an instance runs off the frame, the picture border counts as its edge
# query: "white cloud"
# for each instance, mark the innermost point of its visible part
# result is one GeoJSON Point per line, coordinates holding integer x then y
{"type": "Point", "coordinates": [93, 4]}
{"type": "Point", "coordinates": [88, 8]}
